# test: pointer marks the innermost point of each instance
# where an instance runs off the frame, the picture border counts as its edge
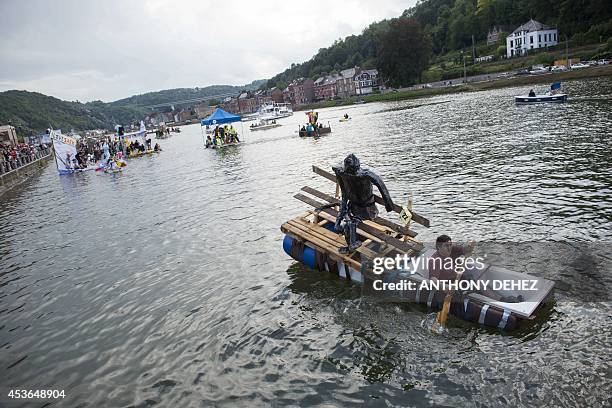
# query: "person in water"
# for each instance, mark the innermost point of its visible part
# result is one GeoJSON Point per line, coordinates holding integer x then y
{"type": "Point", "coordinates": [443, 263]}
{"type": "Point", "coordinates": [531, 93]}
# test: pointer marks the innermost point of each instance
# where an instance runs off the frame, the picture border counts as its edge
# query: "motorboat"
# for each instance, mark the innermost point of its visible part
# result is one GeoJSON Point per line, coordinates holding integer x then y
{"type": "Point", "coordinates": [264, 124]}
{"type": "Point", "coordinates": [547, 98]}
{"type": "Point", "coordinates": [553, 96]}
{"type": "Point", "coordinates": [249, 117]}
{"type": "Point", "coordinates": [271, 111]}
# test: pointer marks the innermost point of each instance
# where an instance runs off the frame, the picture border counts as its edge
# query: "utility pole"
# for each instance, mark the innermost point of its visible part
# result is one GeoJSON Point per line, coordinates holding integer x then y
{"type": "Point", "coordinates": [464, 71]}
{"type": "Point", "coordinates": [473, 50]}
{"type": "Point", "coordinates": [567, 62]}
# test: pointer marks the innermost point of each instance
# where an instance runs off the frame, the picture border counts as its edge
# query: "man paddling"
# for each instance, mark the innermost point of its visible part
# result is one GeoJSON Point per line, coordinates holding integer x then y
{"type": "Point", "coordinates": [443, 263]}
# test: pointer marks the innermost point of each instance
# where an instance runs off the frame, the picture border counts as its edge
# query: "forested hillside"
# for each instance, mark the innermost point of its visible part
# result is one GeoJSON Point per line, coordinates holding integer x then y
{"type": "Point", "coordinates": [449, 25]}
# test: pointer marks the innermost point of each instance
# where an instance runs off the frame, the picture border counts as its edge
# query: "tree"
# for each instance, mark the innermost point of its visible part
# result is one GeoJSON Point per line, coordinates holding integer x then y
{"type": "Point", "coordinates": [403, 52]}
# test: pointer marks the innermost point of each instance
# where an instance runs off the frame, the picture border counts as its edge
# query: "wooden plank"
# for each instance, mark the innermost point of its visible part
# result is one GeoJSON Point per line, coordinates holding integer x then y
{"type": "Point", "coordinates": [384, 249]}
{"type": "Point", "coordinates": [334, 238]}
{"type": "Point", "coordinates": [405, 247]}
{"type": "Point", "coordinates": [332, 177]}
{"type": "Point", "coordinates": [321, 245]}
{"type": "Point", "coordinates": [332, 219]}
{"type": "Point", "coordinates": [395, 227]}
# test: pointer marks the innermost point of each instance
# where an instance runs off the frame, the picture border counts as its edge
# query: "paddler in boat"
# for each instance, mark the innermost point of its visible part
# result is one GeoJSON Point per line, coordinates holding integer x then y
{"type": "Point", "coordinates": [228, 136]}
{"type": "Point", "coordinates": [309, 129]}
{"type": "Point", "coordinates": [120, 162]}
{"type": "Point", "coordinates": [158, 148]}
{"type": "Point", "coordinates": [445, 250]}
{"type": "Point", "coordinates": [532, 94]}
{"type": "Point", "coordinates": [346, 116]}
{"type": "Point", "coordinates": [234, 135]}
{"type": "Point", "coordinates": [209, 142]}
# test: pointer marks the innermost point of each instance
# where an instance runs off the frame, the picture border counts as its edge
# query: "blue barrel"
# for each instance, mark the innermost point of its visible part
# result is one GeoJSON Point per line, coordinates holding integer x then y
{"type": "Point", "coordinates": [307, 256]}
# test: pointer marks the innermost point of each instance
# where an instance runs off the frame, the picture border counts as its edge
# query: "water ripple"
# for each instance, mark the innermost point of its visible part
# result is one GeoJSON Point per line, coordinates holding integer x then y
{"type": "Point", "coordinates": [167, 285]}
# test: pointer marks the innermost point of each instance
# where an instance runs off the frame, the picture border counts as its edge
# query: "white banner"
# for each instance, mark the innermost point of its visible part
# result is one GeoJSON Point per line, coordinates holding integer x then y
{"type": "Point", "coordinates": [65, 151]}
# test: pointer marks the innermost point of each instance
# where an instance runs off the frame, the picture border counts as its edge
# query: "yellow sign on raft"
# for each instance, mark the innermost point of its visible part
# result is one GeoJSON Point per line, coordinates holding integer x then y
{"type": "Point", "coordinates": [405, 216]}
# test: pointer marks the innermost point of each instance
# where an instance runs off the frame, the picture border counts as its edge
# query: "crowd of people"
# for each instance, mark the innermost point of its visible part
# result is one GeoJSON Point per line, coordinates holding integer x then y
{"type": "Point", "coordinates": [13, 157]}
{"type": "Point", "coordinates": [222, 135]}
{"type": "Point", "coordinates": [107, 151]}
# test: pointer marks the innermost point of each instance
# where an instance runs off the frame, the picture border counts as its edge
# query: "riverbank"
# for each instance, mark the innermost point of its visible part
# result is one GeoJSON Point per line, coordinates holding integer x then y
{"type": "Point", "coordinates": [13, 178]}
{"type": "Point", "coordinates": [592, 72]}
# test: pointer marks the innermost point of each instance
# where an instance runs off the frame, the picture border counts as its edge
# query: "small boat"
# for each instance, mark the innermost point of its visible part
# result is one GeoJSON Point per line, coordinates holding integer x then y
{"type": "Point", "coordinates": [554, 96]}
{"type": "Point", "coordinates": [344, 119]}
{"type": "Point", "coordinates": [527, 100]}
{"type": "Point", "coordinates": [224, 145]}
{"type": "Point", "coordinates": [272, 111]}
{"type": "Point", "coordinates": [77, 170]}
{"type": "Point", "coordinates": [139, 153]}
{"type": "Point", "coordinates": [249, 117]}
{"type": "Point", "coordinates": [264, 124]}
{"type": "Point", "coordinates": [311, 239]}
{"type": "Point", "coordinates": [318, 132]}
{"type": "Point", "coordinates": [113, 171]}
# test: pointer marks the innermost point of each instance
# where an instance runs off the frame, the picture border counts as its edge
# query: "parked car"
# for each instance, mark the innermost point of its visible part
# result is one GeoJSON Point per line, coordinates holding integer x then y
{"type": "Point", "coordinates": [521, 72]}
{"type": "Point", "coordinates": [580, 65]}
{"type": "Point", "coordinates": [558, 68]}
{"type": "Point", "coordinates": [540, 70]}
{"type": "Point", "coordinates": [603, 62]}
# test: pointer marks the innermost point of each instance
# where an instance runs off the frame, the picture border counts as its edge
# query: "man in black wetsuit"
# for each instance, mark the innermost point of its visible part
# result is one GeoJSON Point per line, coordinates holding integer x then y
{"type": "Point", "coordinates": [357, 199]}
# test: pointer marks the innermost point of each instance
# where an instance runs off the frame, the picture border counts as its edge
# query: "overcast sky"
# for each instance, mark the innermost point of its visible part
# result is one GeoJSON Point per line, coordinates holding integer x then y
{"type": "Point", "coordinates": [110, 49]}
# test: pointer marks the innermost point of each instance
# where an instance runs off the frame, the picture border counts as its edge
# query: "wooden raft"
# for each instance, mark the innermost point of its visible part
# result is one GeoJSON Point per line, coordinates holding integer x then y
{"type": "Point", "coordinates": [380, 236]}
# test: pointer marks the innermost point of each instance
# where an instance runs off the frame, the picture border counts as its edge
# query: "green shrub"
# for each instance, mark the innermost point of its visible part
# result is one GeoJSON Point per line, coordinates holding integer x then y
{"type": "Point", "coordinates": [433, 74]}
{"type": "Point", "coordinates": [544, 59]}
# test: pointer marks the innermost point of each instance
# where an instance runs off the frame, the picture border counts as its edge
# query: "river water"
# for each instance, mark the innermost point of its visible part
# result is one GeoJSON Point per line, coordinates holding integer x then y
{"type": "Point", "coordinates": [167, 284]}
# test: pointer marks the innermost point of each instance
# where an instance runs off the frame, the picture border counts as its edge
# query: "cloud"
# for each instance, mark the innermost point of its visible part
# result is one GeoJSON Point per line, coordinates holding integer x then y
{"type": "Point", "coordinates": [112, 49]}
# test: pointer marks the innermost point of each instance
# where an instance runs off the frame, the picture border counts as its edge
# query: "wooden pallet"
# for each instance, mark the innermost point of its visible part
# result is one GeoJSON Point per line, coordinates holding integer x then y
{"type": "Point", "coordinates": [380, 236]}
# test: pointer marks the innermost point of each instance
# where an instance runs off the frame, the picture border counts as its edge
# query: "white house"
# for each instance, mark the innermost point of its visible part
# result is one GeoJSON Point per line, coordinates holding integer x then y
{"type": "Point", "coordinates": [366, 82]}
{"type": "Point", "coordinates": [530, 36]}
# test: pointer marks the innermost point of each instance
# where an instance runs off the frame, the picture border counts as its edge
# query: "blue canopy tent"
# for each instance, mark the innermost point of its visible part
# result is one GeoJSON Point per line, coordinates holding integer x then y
{"type": "Point", "coordinates": [219, 117]}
